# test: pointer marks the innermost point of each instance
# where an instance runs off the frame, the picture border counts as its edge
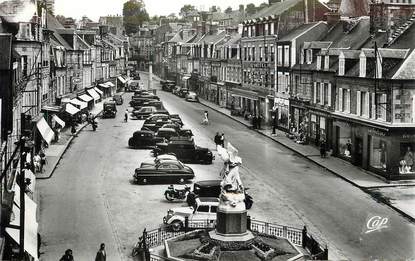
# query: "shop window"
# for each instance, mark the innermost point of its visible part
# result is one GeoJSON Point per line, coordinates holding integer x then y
{"type": "Point", "coordinates": [406, 161]}
{"type": "Point", "coordinates": [344, 141]}
{"type": "Point", "coordinates": [378, 153]}
{"type": "Point", "coordinates": [313, 125]}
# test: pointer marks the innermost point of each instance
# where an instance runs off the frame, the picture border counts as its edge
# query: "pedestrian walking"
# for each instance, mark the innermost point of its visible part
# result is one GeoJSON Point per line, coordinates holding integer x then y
{"type": "Point", "coordinates": [73, 129]}
{"type": "Point", "coordinates": [205, 118]}
{"type": "Point", "coordinates": [259, 121]}
{"type": "Point", "coordinates": [36, 162]}
{"type": "Point", "coordinates": [217, 139]}
{"type": "Point", "coordinates": [126, 115]}
{"type": "Point", "coordinates": [222, 140]}
{"type": "Point", "coordinates": [101, 254]}
{"type": "Point", "coordinates": [67, 256]}
{"type": "Point", "coordinates": [254, 121]}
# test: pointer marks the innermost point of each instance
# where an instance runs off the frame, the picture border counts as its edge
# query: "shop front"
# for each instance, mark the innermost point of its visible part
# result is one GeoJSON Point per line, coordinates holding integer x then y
{"type": "Point", "coordinates": [246, 101]}
{"type": "Point", "coordinates": [298, 114]}
{"type": "Point", "coordinates": [222, 94]}
{"type": "Point", "coordinates": [320, 127]}
{"type": "Point", "coordinates": [282, 109]}
{"type": "Point", "coordinates": [386, 151]}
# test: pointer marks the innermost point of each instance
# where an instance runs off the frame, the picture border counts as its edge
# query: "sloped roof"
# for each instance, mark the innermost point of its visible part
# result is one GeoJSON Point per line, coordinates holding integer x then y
{"type": "Point", "coordinates": [213, 38]}
{"type": "Point", "coordinates": [275, 9]}
{"type": "Point", "coordinates": [317, 45]}
{"type": "Point", "coordinates": [407, 69]}
{"type": "Point", "coordinates": [234, 39]}
{"type": "Point", "coordinates": [300, 30]}
{"type": "Point", "coordinates": [405, 40]}
{"type": "Point", "coordinates": [82, 45]}
{"type": "Point", "coordinates": [387, 53]}
{"type": "Point", "coordinates": [354, 37]}
{"type": "Point", "coordinates": [354, 8]}
{"type": "Point", "coordinates": [183, 36]}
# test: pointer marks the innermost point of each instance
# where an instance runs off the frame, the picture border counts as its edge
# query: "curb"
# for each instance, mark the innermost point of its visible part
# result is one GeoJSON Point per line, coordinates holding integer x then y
{"type": "Point", "coordinates": [68, 143]}
{"type": "Point", "coordinates": [364, 189]}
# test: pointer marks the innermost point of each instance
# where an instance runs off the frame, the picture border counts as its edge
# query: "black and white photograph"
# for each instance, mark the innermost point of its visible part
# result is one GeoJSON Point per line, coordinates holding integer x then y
{"type": "Point", "coordinates": [207, 130]}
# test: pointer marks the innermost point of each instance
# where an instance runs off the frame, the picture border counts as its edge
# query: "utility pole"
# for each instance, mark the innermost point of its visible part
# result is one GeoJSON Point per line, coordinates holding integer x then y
{"type": "Point", "coordinates": [22, 181]}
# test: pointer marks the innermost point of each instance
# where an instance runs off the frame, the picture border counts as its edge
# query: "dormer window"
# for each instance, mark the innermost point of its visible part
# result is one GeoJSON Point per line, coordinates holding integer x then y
{"type": "Point", "coordinates": [342, 63]}
{"type": "Point", "coordinates": [309, 56]}
{"type": "Point", "coordinates": [326, 62]}
{"type": "Point", "coordinates": [362, 64]}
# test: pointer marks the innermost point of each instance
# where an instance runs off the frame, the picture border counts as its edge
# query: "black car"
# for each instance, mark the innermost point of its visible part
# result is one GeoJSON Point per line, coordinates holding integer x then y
{"type": "Point", "coordinates": [167, 86]}
{"type": "Point", "coordinates": [182, 92]}
{"type": "Point", "coordinates": [176, 118]}
{"type": "Point", "coordinates": [142, 140]}
{"type": "Point", "coordinates": [166, 133]}
{"type": "Point", "coordinates": [205, 188]}
{"type": "Point", "coordinates": [185, 150]}
{"type": "Point", "coordinates": [139, 101]}
{"type": "Point", "coordinates": [168, 171]}
{"type": "Point", "coordinates": [109, 109]}
{"type": "Point", "coordinates": [155, 103]}
{"type": "Point", "coordinates": [144, 112]}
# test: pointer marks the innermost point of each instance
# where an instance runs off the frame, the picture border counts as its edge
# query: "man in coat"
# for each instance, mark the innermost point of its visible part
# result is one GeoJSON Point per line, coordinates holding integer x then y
{"type": "Point", "coordinates": [101, 254]}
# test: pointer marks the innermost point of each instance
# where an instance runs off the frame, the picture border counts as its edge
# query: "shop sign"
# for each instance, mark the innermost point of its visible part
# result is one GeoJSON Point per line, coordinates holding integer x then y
{"type": "Point", "coordinates": [76, 80]}
{"type": "Point", "coordinates": [344, 124]}
{"type": "Point", "coordinates": [217, 64]}
{"type": "Point", "coordinates": [408, 136]}
{"type": "Point", "coordinates": [376, 132]}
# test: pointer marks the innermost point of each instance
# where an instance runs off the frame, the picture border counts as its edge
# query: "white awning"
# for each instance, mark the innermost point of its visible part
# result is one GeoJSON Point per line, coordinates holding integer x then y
{"type": "Point", "coordinates": [44, 129]}
{"type": "Point", "coordinates": [85, 98]}
{"type": "Point", "coordinates": [59, 121]}
{"type": "Point", "coordinates": [186, 78]}
{"type": "Point", "coordinates": [94, 94]}
{"type": "Point", "coordinates": [110, 84]}
{"type": "Point", "coordinates": [104, 85]}
{"type": "Point", "coordinates": [31, 227]}
{"type": "Point", "coordinates": [122, 79]}
{"type": "Point", "coordinates": [81, 104]}
{"type": "Point", "coordinates": [72, 110]}
{"type": "Point", "coordinates": [98, 91]}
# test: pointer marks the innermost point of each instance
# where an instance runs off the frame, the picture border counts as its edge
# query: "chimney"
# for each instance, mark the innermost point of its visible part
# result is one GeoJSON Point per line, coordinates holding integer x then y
{"type": "Point", "coordinates": [306, 11]}
{"type": "Point", "coordinates": [332, 18]}
{"type": "Point", "coordinates": [270, 2]}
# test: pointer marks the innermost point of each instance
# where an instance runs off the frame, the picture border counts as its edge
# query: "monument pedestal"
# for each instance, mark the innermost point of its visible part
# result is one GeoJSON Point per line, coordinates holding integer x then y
{"type": "Point", "coordinates": [231, 222]}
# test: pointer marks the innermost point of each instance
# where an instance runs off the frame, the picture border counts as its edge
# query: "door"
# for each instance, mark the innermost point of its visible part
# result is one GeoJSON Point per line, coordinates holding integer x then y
{"type": "Point", "coordinates": [358, 151]}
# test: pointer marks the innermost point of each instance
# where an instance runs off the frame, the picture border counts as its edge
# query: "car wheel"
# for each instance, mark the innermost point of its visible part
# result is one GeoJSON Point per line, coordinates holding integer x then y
{"type": "Point", "coordinates": [181, 180]}
{"type": "Point", "coordinates": [176, 226]}
{"type": "Point", "coordinates": [142, 181]}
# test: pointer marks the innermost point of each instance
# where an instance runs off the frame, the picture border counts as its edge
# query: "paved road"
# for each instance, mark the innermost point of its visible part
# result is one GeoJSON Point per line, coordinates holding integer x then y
{"type": "Point", "coordinates": [90, 198]}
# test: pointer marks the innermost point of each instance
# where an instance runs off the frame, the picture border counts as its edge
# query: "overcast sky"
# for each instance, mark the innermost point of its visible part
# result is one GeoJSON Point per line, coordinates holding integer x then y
{"type": "Point", "coordinates": [96, 8]}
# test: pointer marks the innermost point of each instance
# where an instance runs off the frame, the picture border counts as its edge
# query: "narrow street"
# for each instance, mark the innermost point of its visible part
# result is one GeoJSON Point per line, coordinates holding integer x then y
{"type": "Point", "coordinates": [90, 198]}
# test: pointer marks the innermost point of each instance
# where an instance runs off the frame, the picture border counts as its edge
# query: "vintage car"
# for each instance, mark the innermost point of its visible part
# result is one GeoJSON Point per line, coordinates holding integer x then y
{"type": "Point", "coordinates": [192, 97]}
{"type": "Point", "coordinates": [167, 171]}
{"type": "Point", "coordinates": [155, 103]}
{"type": "Point", "coordinates": [204, 188]}
{"type": "Point", "coordinates": [168, 86]}
{"type": "Point", "coordinates": [157, 124]}
{"type": "Point", "coordinates": [133, 85]}
{"type": "Point", "coordinates": [183, 91]}
{"type": "Point", "coordinates": [204, 210]}
{"type": "Point", "coordinates": [142, 140]}
{"type": "Point", "coordinates": [144, 112]}
{"type": "Point", "coordinates": [176, 90]}
{"type": "Point", "coordinates": [176, 118]}
{"type": "Point", "coordinates": [139, 101]}
{"type": "Point", "coordinates": [109, 109]}
{"type": "Point", "coordinates": [185, 150]}
{"type": "Point", "coordinates": [118, 99]}
{"type": "Point", "coordinates": [158, 159]}
{"type": "Point", "coordinates": [166, 133]}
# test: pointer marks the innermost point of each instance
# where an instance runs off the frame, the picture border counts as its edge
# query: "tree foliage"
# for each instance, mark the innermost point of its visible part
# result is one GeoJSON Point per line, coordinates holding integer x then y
{"type": "Point", "coordinates": [228, 10]}
{"type": "Point", "coordinates": [135, 15]}
{"type": "Point", "coordinates": [262, 6]}
{"type": "Point", "coordinates": [241, 8]}
{"type": "Point", "coordinates": [213, 9]}
{"type": "Point", "coordinates": [250, 9]}
{"type": "Point", "coordinates": [186, 10]}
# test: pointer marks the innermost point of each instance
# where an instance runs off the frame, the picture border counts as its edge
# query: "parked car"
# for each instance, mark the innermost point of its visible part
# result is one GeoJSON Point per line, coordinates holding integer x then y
{"type": "Point", "coordinates": [156, 117]}
{"type": "Point", "coordinates": [144, 112]}
{"type": "Point", "coordinates": [183, 92]}
{"type": "Point", "coordinates": [118, 99]}
{"type": "Point", "coordinates": [168, 171]}
{"type": "Point", "coordinates": [167, 133]}
{"type": "Point", "coordinates": [133, 85]}
{"type": "Point", "coordinates": [167, 86]}
{"type": "Point", "coordinates": [155, 125]}
{"type": "Point", "coordinates": [185, 150]}
{"type": "Point", "coordinates": [176, 118]}
{"type": "Point", "coordinates": [158, 159]}
{"type": "Point", "coordinates": [139, 101]}
{"type": "Point", "coordinates": [204, 188]}
{"type": "Point", "coordinates": [172, 125]}
{"type": "Point", "coordinates": [142, 139]}
{"type": "Point", "coordinates": [204, 210]}
{"type": "Point", "coordinates": [158, 104]}
{"type": "Point", "coordinates": [192, 96]}
{"type": "Point", "coordinates": [109, 109]}
{"type": "Point", "coordinates": [176, 90]}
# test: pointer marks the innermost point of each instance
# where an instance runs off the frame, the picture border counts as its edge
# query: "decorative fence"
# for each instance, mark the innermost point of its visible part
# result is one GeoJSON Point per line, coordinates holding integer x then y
{"type": "Point", "coordinates": [299, 237]}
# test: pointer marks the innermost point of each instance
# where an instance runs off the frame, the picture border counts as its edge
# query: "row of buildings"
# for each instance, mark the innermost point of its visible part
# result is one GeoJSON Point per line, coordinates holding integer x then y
{"type": "Point", "coordinates": [49, 74]}
{"type": "Point", "coordinates": [347, 81]}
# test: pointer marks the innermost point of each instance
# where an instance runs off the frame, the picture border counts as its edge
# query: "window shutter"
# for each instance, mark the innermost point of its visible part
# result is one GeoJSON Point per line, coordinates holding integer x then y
{"type": "Point", "coordinates": [358, 105]}
{"type": "Point", "coordinates": [321, 86]}
{"type": "Point", "coordinates": [367, 105]}
{"type": "Point", "coordinates": [315, 93]}
{"type": "Point", "coordinates": [329, 95]}
{"type": "Point", "coordinates": [340, 99]}
{"type": "Point", "coordinates": [319, 62]}
{"type": "Point", "coordinates": [373, 107]}
{"type": "Point", "coordinates": [348, 100]}
{"type": "Point", "coordinates": [383, 106]}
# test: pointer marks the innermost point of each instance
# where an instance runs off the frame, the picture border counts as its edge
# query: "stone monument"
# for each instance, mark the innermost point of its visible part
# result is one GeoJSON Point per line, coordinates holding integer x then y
{"type": "Point", "coordinates": [231, 219]}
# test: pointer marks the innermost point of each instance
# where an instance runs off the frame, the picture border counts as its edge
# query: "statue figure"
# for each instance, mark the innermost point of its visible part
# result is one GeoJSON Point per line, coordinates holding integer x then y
{"type": "Point", "coordinates": [232, 187]}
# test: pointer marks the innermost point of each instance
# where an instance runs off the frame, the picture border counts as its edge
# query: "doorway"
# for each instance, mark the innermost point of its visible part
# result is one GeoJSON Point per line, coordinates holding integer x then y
{"type": "Point", "coordinates": [358, 152]}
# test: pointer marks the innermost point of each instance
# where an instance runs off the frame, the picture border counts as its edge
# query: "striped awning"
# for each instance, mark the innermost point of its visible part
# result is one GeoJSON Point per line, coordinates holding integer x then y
{"type": "Point", "coordinates": [72, 110]}
{"type": "Point", "coordinates": [98, 91]}
{"type": "Point", "coordinates": [45, 130]}
{"type": "Point", "coordinates": [79, 103]}
{"type": "Point", "coordinates": [94, 94]}
{"type": "Point", "coordinates": [85, 97]}
{"type": "Point", "coordinates": [59, 120]}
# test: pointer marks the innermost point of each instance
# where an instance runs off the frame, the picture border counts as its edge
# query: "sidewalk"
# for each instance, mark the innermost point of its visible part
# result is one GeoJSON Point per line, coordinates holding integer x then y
{"type": "Point", "coordinates": [56, 150]}
{"type": "Point", "coordinates": [348, 172]}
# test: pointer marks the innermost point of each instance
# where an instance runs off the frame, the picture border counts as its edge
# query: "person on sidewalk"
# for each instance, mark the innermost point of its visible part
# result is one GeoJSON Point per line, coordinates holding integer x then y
{"type": "Point", "coordinates": [36, 162]}
{"type": "Point", "coordinates": [323, 148]}
{"type": "Point", "coordinates": [73, 130]}
{"type": "Point", "coordinates": [126, 115]}
{"type": "Point", "coordinates": [42, 160]}
{"type": "Point", "coordinates": [101, 254]}
{"type": "Point", "coordinates": [259, 121]}
{"type": "Point", "coordinates": [254, 122]}
{"type": "Point", "coordinates": [67, 256]}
